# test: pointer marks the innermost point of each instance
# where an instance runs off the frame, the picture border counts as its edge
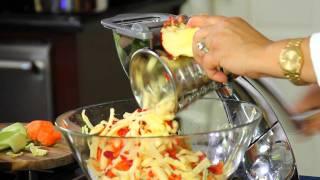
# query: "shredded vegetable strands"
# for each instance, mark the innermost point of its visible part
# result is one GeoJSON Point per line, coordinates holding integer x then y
{"type": "Point", "coordinates": [159, 172]}
{"type": "Point", "coordinates": [204, 164]}
{"type": "Point", "coordinates": [111, 118]}
{"type": "Point", "coordinates": [133, 159]}
{"type": "Point", "coordinates": [120, 124]}
{"type": "Point", "coordinates": [86, 119]}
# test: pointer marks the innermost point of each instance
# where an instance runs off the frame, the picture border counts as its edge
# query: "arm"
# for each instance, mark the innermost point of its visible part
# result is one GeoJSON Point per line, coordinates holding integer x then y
{"type": "Point", "coordinates": [273, 69]}
{"type": "Point", "coordinates": [309, 101]}
{"type": "Point", "coordinates": [237, 47]}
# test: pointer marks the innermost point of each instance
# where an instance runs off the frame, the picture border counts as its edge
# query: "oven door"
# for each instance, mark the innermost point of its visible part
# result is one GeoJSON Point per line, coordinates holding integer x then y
{"type": "Point", "coordinates": [25, 89]}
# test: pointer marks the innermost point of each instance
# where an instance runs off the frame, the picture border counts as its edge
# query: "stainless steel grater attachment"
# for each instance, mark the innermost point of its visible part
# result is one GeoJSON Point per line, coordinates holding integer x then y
{"type": "Point", "coordinates": [153, 76]}
{"type": "Point", "coordinates": [134, 31]}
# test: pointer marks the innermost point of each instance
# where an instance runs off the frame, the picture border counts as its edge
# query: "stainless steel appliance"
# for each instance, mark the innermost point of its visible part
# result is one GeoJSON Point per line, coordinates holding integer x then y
{"type": "Point", "coordinates": [269, 156]}
{"type": "Point", "coordinates": [25, 90]}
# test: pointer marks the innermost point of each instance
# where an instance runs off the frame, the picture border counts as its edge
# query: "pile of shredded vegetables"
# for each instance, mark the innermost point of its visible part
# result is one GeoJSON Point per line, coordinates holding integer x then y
{"type": "Point", "coordinates": [165, 158]}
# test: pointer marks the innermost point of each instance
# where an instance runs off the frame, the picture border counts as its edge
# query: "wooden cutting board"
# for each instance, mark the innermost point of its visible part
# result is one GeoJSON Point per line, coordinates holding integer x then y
{"type": "Point", "coordinates": [58, 155]}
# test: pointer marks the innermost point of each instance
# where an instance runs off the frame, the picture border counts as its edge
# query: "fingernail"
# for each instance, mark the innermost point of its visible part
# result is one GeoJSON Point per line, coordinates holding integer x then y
{"type": "Point", "coordinates": [189, 23]}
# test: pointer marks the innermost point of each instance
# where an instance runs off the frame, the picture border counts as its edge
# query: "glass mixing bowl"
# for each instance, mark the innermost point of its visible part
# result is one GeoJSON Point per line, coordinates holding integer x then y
{"type": "Point", "coordinates": [219, 130]}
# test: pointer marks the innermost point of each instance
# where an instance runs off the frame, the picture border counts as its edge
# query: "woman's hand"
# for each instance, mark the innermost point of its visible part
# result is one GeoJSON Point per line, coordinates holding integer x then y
{"type": "Point", "coordinates": [240, 49]}
{"type": "Point", "coordinates": [233, 45]}
{"type": "Point", "coordinates": [309, 102]}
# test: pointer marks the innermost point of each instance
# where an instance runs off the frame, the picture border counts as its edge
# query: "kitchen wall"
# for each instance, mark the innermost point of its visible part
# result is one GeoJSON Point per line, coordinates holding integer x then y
{"type": "Point", "coordinates": [276, 19]}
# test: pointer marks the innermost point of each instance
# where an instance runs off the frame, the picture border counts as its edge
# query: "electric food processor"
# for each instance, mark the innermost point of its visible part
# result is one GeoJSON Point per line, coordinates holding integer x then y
{"type": "Point", "coordinates": [151, 73]}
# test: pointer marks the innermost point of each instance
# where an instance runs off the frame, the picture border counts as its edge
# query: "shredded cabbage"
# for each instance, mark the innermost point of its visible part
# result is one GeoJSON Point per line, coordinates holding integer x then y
{"type": "Point", "coordinates": [154, 158]}
{"type": "Point", "coordinates": [36, 150]}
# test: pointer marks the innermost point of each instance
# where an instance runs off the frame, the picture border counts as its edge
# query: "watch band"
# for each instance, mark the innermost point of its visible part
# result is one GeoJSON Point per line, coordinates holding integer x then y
{"type": "Point", "coordinates": [294, 77]}
{"type": "Point", "coordinates": [295, 42]}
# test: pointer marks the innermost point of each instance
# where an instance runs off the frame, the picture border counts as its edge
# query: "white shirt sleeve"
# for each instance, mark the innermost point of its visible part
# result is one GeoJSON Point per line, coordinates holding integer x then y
{"type": "Point", "coordinates": [315, 54]}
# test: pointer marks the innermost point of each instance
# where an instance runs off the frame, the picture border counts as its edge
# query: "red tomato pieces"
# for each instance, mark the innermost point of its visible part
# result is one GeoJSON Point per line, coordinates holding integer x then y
{"type": "Point", "coordinates": [124, 165]}
{"type": "Point", "coordinates": [108, 155]}
{"type": "Point", "coordinates": [169, 123]}
{"type": "Point", "coordinates": [150, 174]}
{"type": "Point", "coordinates": [172, 153]}
{"type": "Point", "coordinates": [203, 156]}
{"type": "Point", "coordinates": [123, 131]}
{"type": "Point", "coordinates": [110, 174]}
{"type": "Point", "coordinates": [174, 177]}
{"type": "Point", "coordinates": [216, 169]}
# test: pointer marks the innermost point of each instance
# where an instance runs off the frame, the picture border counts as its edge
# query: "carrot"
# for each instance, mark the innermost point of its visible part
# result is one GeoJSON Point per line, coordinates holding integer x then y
{"type": "Point", "coordinates": [33, 129]}
{"type": "Point", "coordinates": [57, 135]}
{"type": "Point", "coordinates": [43, 132]}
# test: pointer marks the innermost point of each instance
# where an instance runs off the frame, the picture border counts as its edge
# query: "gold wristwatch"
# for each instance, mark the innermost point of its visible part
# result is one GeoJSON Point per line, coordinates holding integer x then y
{"type": "Point", "coordinates": [291, 61]}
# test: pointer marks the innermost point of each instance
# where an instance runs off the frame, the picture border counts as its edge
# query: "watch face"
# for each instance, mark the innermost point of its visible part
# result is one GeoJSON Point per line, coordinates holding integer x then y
{"type": "Point", "coordinates": [291, 59]}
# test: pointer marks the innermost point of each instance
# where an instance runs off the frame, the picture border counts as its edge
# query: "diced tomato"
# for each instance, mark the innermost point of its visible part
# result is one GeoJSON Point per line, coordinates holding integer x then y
{"type": "Point", "coordinates": [172, 153]}
{"type": "Point", "coordinates": [141, 110]}
{"type": "Point", "coordinates": [123, 157]}
{"type": "Point", "coordinates": [110, 174]}
{"type": "Point", "coordinates": [202, 156]}
{"type": "Point", "coordinates": [124, 165]}
{"type": "Point", "coordinates": [169, 123]}
{"type": "Point", "coordinates": [117, 145]}
{"type": "Point", "coordinates": [172, 167]}
{"type": "Point", "coordinates": [216, 169]}
{"type": "Point", "coordinates": [193, 164]}
{"type": "Point", "coordinates": [174, 177]}
{"type": "Point", "coordinates": [123, 131]}
{"type": "Point", "coordinates": [108, 155]}
{"type": "Point", "coordinates": [166, 76]}
{"type": "Point", "coordinates": [150, 174]}
{"type": "Point", "coordinates": [99, 151]}
{"type": "Point", "coordinates": [117, 150]}
{"type": "Point", "coordinates": [116, 153]}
